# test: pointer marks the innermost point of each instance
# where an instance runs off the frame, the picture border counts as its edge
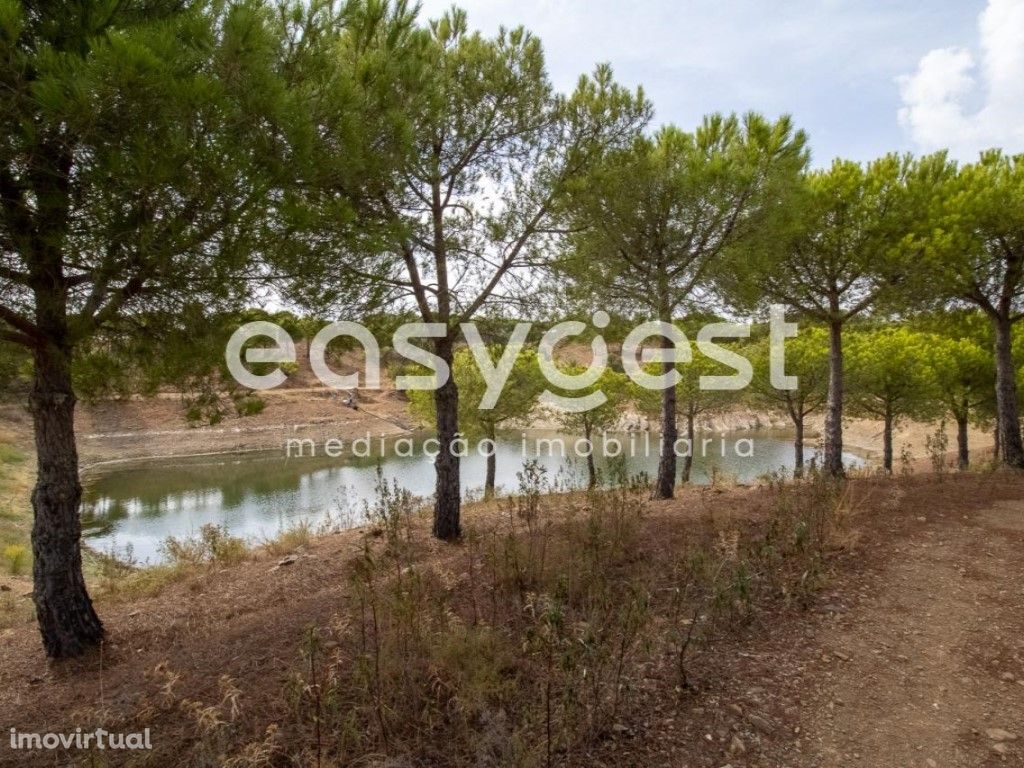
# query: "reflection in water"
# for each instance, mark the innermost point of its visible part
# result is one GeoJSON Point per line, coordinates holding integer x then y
{"type": "Point", "coordinates": [256, 496]}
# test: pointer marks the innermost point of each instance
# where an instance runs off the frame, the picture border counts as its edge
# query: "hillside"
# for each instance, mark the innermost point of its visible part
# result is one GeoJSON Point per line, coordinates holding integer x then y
{"type": "Point", "coordinates": [905, 650]}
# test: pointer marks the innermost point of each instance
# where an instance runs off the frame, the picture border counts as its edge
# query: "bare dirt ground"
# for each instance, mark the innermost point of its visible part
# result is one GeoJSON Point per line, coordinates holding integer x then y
{"type": "Point", "coordinates": [930, 665]}
{"type": "Point", "coordinates": [140, 428]}
{"type": "Point", "coordinates": [912, 656]}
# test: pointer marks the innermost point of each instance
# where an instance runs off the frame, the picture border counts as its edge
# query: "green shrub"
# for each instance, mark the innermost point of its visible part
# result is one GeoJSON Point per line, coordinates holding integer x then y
{"type": "Point", "coordinates": [249, 405]}
{"type": "Point", "coordinates": [16, 558]}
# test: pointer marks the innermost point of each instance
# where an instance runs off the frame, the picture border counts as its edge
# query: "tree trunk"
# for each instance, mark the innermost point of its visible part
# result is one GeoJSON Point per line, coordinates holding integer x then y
{"type": "Point", "coordinates": [664, 486]}
{"type": "Point", "coordinates": [798, 446]}
{"type": "Point", "coordinates": [492, 464]}
{"type": "Point", "coordinates": [997, 444]}
{"type": "Point", "coordinates": [887, 443]}
{"type": "Point", "coordinates": [1007, 409]}
{"type": "Point", "coordinates": [962, 452]}
{"type": "Point", "coordinates": [591, 467]}
{"type": "Point", "coordinates": [67, 621]}
{"type": "Point", "coordinates": [833, 460]}
{"type": "Point", "coordinates": [688, 458]}
{"type": "Point", "coordinates": [448, 497]}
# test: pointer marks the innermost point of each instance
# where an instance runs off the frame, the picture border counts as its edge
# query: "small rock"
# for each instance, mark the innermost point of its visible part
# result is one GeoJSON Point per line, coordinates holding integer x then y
{"type": "Point", "coordinates": [998, 734]}
{"type": "Point", "coordinates": [831, 608]}
{"type": "Point", "coordinates": [736, 746]}
{"type": "Point", "coordinates": [620, 728]}
{"type": "Point", "coordinates": [931, 763]}
{"type": "Point", "coordinates": [761, 723]}
{"type": "Point", "coordinates": [1000, 748]}
{"type": "Point", "coordinates": [1008, 677]}
{"type": "Point", "coordinates": [840, 655]}
{"type": "Point", "coordinates": [287, 560]}
{"type": "Point", "coordinates": [133, 614]}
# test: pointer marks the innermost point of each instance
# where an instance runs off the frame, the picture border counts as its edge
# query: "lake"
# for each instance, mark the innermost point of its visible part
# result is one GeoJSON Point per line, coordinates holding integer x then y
{"type": "Point", "coordinates": [134, 508]}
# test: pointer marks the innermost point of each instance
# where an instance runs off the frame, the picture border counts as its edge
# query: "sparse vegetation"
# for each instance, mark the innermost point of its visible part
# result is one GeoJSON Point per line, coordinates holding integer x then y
{"type": "Point", "coordinates": [535, 656]}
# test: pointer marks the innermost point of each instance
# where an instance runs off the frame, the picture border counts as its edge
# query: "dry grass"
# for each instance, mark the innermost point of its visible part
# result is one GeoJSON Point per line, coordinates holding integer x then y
{"type": "Point", "coordinates": [15, 486]}
{"type": "Point", "coordinates": [557, 629]}
{"type": "Point", "coordinates": [522, 646]}
{"type": "Point", "coordinates": [15, 528]}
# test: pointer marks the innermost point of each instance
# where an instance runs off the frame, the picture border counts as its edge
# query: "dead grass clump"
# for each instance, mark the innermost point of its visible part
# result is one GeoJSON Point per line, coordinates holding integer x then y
{"type": "Point", "coordinates": [213, 545]}
{"type": "Point", "coordinates": [119, 575]}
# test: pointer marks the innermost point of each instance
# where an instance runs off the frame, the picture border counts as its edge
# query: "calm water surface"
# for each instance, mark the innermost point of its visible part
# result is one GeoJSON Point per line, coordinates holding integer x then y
{"type": "Point", "coordinates": [133, 509]}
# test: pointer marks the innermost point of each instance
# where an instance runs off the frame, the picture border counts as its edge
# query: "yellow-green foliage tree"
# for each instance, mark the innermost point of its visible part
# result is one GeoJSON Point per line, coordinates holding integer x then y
{"type": "Point", "coordinates": [651, 223]}
{"type": "Point", "coordinates": [693, 399]}
{"type": "Point", "coordinates": [963, 374]}
{"type": "Point", "coordinates": [889, 378]}
{"type": "Point", "coordinates": [838, 253]}
{"type": "Point", "coordinates": [517, 399]}
{"type": "Point", "coordinates": [600, 419]}
{"type": "Point", "coordinates": [807, 359]}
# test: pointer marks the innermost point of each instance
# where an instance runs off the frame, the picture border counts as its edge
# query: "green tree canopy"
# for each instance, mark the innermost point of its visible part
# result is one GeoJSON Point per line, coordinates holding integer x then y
{"type": "Point", "coordinates": [144, 156]}
{"type": "Point", "coordinates": [651, 222]}
{"type": "Point", "coordinates": [604, 417]}
{"type": "Point", "coordinates": [973, 254]}
{"type": "Point", "coordinates": [490, 147]}
{"type": "Point", "coordinates": [515, 402]}
{"type": "Point", "coordinates": [888, 376]}
{"type": "Point", "coordinates": [807, 359]}
{"type": "Point", "coordinates": [964, 376]}
{"type": "Point", "coordinates": [836, 251]}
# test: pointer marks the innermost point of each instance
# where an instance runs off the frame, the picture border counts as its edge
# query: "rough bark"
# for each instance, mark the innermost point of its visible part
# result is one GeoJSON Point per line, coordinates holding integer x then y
{"type": "Point", "coordinates": [887, 443]}
{"type": "Point", "coordinates": [833, 459]}
{"type": "Point", "coordinates": [664, 486]}
{"type": "Point", "coordinates": [962, 451]}
{"type": "Point", "coordinates": [492, 464]}
{"type": "Point", "coordinates": [591, 467]}
{"type": "Point", "coordinates": [447, 495]}
{"type": "Point", "coordinates": [688, 459]}
{"type": "Point", "coordinates": [67, 621]}
{"type": "Point", "coordinates": [1008, 411]}
{"type": "Point", "coordinates": [798, 446]}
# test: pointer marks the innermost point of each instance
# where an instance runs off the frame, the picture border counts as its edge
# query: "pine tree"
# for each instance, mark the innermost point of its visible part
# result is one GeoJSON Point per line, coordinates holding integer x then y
{"type": "Point", "coordinates": [141, 143]}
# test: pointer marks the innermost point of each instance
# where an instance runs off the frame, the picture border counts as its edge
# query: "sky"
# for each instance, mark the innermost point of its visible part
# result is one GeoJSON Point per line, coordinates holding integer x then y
{"type": "Point", "coordinates": [862, 78]}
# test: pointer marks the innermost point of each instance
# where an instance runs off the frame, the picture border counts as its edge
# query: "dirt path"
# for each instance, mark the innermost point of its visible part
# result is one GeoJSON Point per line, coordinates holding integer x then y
{"type": "Point", "coordinates": [930, 666]}
{"type": "Point", "coordinates": [912, 658]}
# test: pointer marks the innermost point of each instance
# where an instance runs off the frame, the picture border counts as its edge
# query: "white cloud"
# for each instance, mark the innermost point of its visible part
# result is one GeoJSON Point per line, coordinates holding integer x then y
{"type": "Point", "coordinates": [937, 107]}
